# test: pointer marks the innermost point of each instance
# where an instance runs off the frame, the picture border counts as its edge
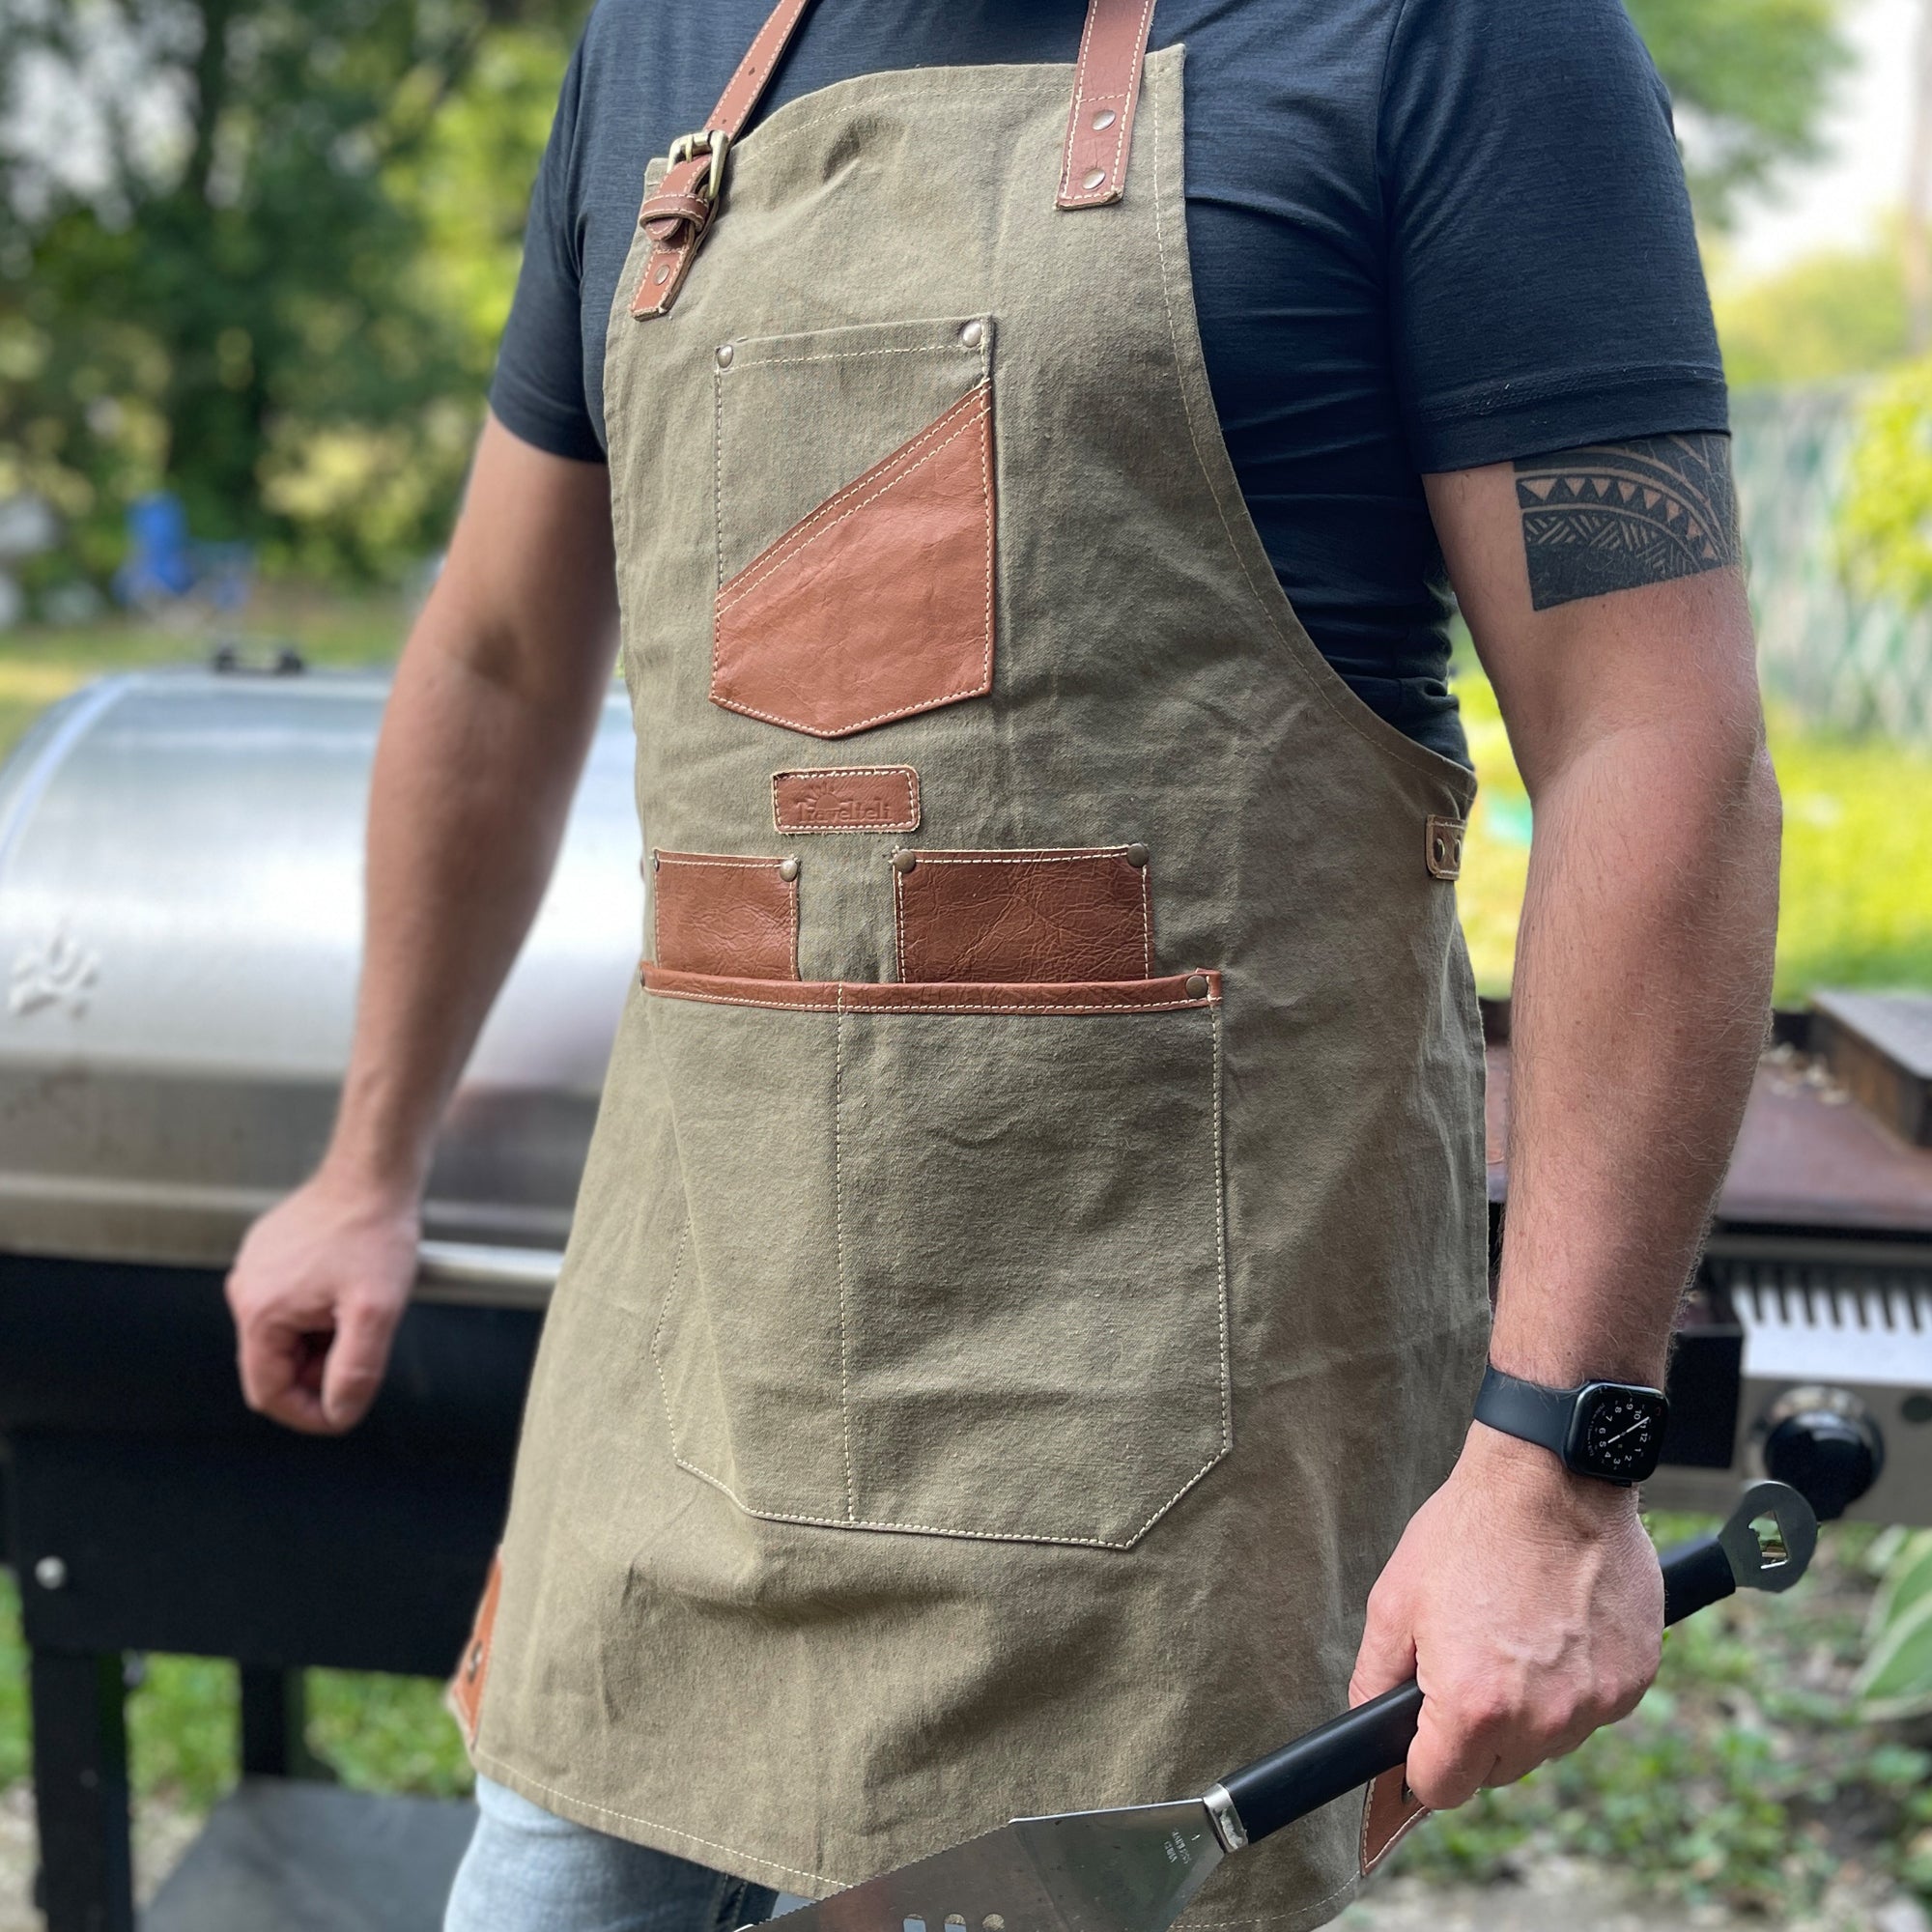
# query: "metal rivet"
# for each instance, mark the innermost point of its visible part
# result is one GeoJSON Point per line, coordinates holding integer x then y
{"type": "Point", "coordinates": [50, 1574]}
{"type": "Point", "coordinates": [475, 1662]}
{"type": "Point", "coordinates": [1094, 178]}
{"type": "Point", "coordinates": [904, 862]}
{"type": "Point", "coordinates": [1441, 849]}
{"type": "Point", "coordinates": [724, 355]}
{"type": "Point", "coordinates": [1104, 118]}
{"type": "Point", "coordinates": [1197, 986]}
{"type": "Point", "coordinates": [973, 334]}
{"type": "Point", "coordinates": [654, 861]}
{"type": "Point", "coordinates": [1135, 855]}
{"type": "Point", "coordinates": [787, 869]}
{"type": "Point", "coordinates": [663, 275]}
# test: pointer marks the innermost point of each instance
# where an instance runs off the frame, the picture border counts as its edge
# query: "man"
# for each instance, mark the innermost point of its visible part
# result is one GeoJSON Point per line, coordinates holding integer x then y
{"type": "Point", "coordinates": [1030, 1279]}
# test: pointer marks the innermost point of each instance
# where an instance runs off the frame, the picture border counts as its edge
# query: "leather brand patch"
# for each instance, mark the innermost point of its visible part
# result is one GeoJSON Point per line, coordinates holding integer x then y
{"type": "Point", "coordinates": [465, 1688]}
{"type": "Point", "coordinates": [850, 798]}
{"type": "Point", "coordinates": [1025, 916]}
{"type": "Point", "coordinates": [880, 603]}
{"type": "Point", "coordinates": [731, 916]}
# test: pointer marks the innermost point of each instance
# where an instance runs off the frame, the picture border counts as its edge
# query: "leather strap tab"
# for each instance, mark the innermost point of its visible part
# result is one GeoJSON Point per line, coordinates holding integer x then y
{"type": "Point", "coordinates": [1106, 90]}
{"type": "Point", "coordinates": [674, 225]}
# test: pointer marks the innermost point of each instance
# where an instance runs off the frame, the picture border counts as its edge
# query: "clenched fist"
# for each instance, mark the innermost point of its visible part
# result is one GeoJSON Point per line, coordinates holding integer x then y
{"type": "Point", "coordinates": [1528, 1603]}
{"type": "Point", "coordinates": [316, 1292]}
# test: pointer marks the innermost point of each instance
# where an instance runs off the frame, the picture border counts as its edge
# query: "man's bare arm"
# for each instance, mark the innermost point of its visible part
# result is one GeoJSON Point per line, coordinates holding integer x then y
{"type": "Point", "coordinates": [1603, 589]}
{"type": "Point", "coordinates": [495, 701]}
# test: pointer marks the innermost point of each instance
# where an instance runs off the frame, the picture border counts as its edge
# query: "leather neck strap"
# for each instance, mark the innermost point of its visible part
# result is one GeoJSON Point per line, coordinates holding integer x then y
{"type": "Point", "coordinates": [679, 210]}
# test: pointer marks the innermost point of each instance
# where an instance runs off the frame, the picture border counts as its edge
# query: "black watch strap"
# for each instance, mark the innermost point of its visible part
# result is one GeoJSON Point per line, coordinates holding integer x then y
{"type": "Point", "coordinates": [1527, 1409]}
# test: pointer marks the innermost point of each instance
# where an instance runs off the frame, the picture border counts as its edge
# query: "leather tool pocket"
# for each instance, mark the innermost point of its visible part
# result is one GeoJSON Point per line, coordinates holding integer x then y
{"type": "Point", "coordinates": [716, 914]}
{"type": "Point", "coordinates": [855, 524]}
{"type": "Point", "coordinates": [954, 1259]}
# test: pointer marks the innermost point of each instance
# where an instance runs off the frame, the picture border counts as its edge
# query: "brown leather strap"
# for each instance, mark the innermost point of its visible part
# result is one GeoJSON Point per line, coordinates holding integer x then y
{"type": "Point", "coordinates": [1106, 90]}
{"type": "Point", "coordinates": [679, 210]}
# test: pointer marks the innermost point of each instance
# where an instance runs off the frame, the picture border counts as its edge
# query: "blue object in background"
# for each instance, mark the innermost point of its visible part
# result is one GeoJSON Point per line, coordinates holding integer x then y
{"type": "Point", "coordinates": [165, 564]}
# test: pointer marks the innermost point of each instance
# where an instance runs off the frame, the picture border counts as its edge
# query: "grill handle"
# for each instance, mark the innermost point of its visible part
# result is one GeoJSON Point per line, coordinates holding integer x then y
{"type": "Point", "coordinates": [480, 1273]}
{"type": "Point", "coordinates": [1327, 1763]}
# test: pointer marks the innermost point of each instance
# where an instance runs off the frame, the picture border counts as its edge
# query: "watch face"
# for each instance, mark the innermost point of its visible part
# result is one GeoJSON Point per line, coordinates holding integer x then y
{"type": "Point", "coordinates": [1619, 1432]}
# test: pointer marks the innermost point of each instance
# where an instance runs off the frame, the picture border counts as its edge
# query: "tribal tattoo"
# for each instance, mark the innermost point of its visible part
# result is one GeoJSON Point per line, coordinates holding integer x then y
{"type": "Point", "coordinates": [1616, 515]}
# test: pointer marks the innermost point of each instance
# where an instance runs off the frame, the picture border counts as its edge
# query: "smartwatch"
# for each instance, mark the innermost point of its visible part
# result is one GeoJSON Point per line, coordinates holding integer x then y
{"type": "Point", "coordinates": [1612, 1430]}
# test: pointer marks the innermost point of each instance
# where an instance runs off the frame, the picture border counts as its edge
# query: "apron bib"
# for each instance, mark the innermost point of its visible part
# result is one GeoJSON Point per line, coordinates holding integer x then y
{"type": "Point", "coordinates": [1032, 1257]}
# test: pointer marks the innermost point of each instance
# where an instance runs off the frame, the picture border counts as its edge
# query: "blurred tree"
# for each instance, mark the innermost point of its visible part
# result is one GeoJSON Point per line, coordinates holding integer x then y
{"type": "Point", "coordinates": [1884, 519]}
{"type": "Point", "coordinates": [238, 244]}
{"type": "Point", "coordinates": [1748, 79]}
{"type": "Point", "coordinates": [1836, 313]}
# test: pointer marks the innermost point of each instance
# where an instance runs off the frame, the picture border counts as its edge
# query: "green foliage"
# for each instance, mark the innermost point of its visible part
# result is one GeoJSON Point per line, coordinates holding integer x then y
{"type": "Point", "coordinates": [272, 309]}
{"type": "Point", "coordinates": [1896, 1679]}
{"type": "Point", "coordinates": [1884, 519]}
{"type": "Point", "coordinates": [1749, 79]}
{"type": "Point", "coordinates": [1837, 314]}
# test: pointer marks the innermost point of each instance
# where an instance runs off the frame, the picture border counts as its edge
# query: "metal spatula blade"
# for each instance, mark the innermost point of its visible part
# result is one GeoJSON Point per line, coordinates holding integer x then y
{"type": "Point", "coordinates": [1129, 1870]}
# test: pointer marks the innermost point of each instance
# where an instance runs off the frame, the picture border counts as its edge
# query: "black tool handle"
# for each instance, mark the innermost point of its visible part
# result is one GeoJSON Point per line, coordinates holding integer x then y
{"type": "Point", "coordinates": [1324, 1764]}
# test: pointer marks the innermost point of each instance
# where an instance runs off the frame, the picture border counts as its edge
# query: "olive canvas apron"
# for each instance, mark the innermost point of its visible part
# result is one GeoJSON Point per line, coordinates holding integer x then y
{"type": "Point", "coordinates": [1032, 1259]}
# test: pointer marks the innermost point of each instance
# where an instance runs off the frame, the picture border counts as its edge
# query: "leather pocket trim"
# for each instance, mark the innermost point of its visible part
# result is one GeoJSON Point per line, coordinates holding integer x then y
{"type": "Point", "coordinates": [1172, 993]}
{"type": "Point", "coordinates": [464, 1692]}
{"type": "Point", "coordinates": [1081, 913]}
{"type": "Point", "coordinates": [878, 604]}
{"type": "Point", "coordinates": [1390, 1811]}
{"type": "Point", "coordinates": [718, 913]}
{"type": "Point", "coordinates": [846, 798]}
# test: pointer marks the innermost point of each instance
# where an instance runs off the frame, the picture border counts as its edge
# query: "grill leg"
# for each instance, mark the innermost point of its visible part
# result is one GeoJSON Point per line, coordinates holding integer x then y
{"type": "Point", "coordinates": [274, 1721]}
{"type": "Point", "coordinates": [86, 1881]}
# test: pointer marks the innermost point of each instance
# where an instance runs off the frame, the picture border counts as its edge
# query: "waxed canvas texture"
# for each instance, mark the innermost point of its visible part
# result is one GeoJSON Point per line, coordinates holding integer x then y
{"type": "Point", "coordinates": [806, 1702]}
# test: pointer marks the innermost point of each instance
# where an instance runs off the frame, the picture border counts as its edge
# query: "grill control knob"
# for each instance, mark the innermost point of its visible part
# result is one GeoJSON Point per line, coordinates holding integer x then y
{"type": "Point", "coordinates": [1825, 1444]}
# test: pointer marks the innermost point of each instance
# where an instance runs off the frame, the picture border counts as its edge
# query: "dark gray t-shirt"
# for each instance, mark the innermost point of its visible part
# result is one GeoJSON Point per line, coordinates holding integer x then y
{"type": "Point", "coordinates": [1426, 234]}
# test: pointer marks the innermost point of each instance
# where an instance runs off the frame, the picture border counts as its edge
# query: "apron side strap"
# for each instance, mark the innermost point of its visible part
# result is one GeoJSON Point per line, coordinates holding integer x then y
{"type": "Point", "coordinates": [681, 211]}
{"type": "Point", "coordinates": [1106, 90]}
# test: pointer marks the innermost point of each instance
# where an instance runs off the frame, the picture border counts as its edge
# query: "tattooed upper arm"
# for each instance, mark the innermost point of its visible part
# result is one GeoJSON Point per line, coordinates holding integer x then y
{"type": "Point", "coordinates": [1612, 516]}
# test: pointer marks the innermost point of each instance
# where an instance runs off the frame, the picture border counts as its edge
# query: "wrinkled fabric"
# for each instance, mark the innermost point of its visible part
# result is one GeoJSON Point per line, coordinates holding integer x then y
{"type": "Point", "coordinates": [942, 1417]}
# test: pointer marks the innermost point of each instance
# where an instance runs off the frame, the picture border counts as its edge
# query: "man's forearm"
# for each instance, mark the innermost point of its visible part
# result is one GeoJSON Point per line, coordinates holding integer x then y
{"type": "Point", "coordinates": [1643, 970]}
{"type": "Point", "coordinates": [471, 789]}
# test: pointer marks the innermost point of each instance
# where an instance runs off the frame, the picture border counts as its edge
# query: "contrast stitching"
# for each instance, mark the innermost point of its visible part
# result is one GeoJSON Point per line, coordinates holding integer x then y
{"type": "Point", "coordinates": [1147, 923]}
{"type": "Point", "coordinates": [803, 535]}
{"type": "Point", "coordinates": [711, 858]}
{"type": "Point", "coordinates": [1079, 95]}
{"type": "Point", "coordinates": [936, 347]}
{"type": "Point", "coordinates": [717, 468]}
{"type": "Point", "coordinates": [655, 1823]}
{"type": "Point", "coordinates": [1396, 752]}
{"type": "Point", "coordinates": [1221, 1251]}
{"type": "Point", "coordinates": [657, 1332]}
{"type": "Point", "coordinates": [838, 1246]}
{"type": "Point", "coordinates": [910, 823]}
{"type": "Point", "coordinates": [960, 1535]}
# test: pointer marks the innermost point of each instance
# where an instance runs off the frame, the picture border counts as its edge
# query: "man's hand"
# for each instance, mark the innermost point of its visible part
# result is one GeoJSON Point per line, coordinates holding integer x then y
{"type": "Point", "coordinates": [316, 1292]}
{"type": "Point", "coordinates": [1528, 1602]}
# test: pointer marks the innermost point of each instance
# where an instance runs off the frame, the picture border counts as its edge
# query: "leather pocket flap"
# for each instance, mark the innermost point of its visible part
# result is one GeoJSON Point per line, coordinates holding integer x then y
{"type": "Point", "coordinates": [713, 913]}
{"type": "Point", "coordinates": [1024, 915]}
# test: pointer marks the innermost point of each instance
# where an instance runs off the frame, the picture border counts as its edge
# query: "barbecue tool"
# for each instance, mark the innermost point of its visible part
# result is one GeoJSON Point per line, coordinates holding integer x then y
{"type": "Point", "coordinates": [1136, 1868]}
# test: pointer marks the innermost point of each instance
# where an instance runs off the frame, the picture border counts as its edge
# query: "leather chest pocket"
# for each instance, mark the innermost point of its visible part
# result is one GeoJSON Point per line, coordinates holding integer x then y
{"type": "Point", "coordinates": [855, 524]}
{"type": "Point", "coordinates": [966, 1275]}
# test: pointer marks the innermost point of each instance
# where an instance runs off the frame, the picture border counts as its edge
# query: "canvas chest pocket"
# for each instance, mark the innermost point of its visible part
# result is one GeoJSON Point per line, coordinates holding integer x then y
{"type": "Point", "coordinates": [855, 524]}
{"type": "Point", "coordinates": [955, 1256]}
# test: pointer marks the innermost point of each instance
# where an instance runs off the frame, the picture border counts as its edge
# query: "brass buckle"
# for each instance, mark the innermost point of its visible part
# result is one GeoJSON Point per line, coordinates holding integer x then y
{"type": "Point", "coordinates": [712, 141]}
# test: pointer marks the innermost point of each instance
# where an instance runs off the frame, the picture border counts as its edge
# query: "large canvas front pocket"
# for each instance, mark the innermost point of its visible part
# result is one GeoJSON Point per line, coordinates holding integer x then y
{"type": "Point", "coordinates": [855, 524]}
{"type": "Point", "coordinates": [954, 1259]}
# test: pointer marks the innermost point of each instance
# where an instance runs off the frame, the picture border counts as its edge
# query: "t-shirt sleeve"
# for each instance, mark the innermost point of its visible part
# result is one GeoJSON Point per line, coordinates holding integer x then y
{"type": "Point", "coordinates": [537, 392]}
{"type": "Point", "coordinates": [1546, 287]}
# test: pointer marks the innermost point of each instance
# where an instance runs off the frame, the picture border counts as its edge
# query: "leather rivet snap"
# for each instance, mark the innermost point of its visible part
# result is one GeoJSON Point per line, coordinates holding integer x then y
{"type": "Point", "coordinates": [1104, 119]}
{"type": "Point", "coordinates": [663, 275]}
{"type": "Point", "coordinates": [1135, 855]}
{"type": "Point", "coordinates": [654, 861]}
{"type": "Point", "coordinates": [475, 1661]}
{"type": "Point", "coordinates": [1197, 986]}
{"type": "Point", "coordinates": [1093, 178]}
{"type": "Point", "coordinates": [724, 355]}
{"type": "Point", "coordinates": [1441, 848]}
{"type": "Point", "coordinates": [973, 334]}
{"type": "Point", "coordinates": [787, 869]}
{"type": "Point", "coordinates": [904, 862]}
